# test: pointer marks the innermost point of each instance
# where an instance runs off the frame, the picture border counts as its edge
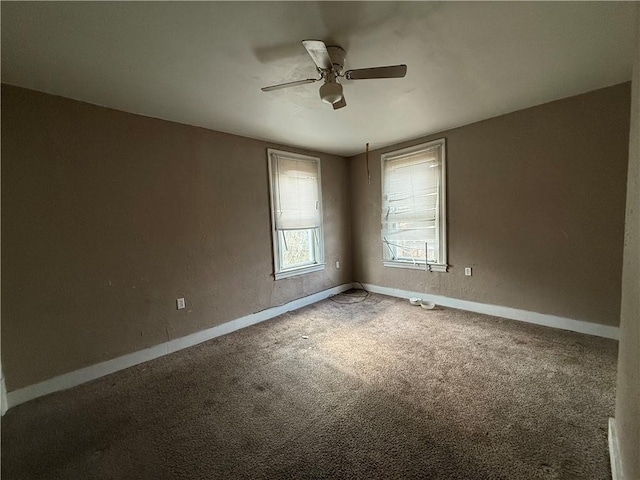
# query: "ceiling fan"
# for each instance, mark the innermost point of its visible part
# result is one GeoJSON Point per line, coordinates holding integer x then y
{"type": "Point", "coordinates": [329, 62]}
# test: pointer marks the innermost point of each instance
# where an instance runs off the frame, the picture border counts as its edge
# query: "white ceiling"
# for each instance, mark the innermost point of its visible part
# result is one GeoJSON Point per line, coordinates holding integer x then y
{"type": "Point", "coordinates": [204, 63]}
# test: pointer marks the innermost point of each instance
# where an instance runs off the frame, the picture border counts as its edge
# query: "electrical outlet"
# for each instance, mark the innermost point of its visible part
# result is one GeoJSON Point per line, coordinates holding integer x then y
{"type": "Point", "coordinates": [467, 271]}
{"type": "Point", "coordinates": [180, 303]}
{"type": "Point", "coordinates": [338, 264]}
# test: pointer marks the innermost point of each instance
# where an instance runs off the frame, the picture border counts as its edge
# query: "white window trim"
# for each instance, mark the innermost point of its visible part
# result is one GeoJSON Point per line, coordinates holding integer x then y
{"type": "Point", "coordinates": [293, 272]}
{"type": "Point", "coordinates": [429, 267]}
{"type": "Point", "coordinates": [278, 272]}
{"type": "Point", "coordinates": [442, 265]}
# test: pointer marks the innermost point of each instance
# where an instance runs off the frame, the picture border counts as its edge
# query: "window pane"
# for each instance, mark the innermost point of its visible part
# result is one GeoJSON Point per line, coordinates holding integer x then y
{"type": "Point", "coordinates": [297, 248]}
{"type": "Point", "coordinates": [413, 222]}
{"type": "Point", "coordinates": [296, 213]}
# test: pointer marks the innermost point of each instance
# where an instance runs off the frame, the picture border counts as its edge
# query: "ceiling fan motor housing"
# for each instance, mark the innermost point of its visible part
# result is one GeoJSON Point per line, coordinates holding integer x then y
{"type": "Point", "coordinates": [337, 55]}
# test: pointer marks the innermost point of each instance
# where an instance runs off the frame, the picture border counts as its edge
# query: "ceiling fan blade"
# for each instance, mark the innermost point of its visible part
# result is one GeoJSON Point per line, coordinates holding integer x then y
{"type": "Point", "coordinates": [394, 71]}
{"type": "Point", "coordinates": [318, 52]}
{"type": "Point", "coordinates": [339, 104]}
{"type": "Point", "coordinates": [289, 84]}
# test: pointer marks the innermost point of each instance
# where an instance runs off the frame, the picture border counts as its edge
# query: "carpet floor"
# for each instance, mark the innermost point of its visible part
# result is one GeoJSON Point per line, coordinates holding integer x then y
{"type": "Point", "coordinates": [350, 387]}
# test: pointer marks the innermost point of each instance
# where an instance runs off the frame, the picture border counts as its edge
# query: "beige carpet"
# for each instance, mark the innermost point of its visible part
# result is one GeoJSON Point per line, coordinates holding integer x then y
{"type": "Point", "coordinates": [379, 389]}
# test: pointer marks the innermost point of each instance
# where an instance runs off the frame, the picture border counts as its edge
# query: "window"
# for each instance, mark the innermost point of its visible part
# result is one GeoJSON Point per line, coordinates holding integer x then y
{"type": "Point", "coordinates": [414, 222]}
{"type": "Point", "coordinates": [296, 213]}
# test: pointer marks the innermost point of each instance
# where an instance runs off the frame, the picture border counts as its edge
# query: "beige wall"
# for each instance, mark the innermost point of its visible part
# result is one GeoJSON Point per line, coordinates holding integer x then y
{"type": "Point", "coordinates": [628, 390]}
{"type": "Point", "coordinates": [108, 217]}
{"type": "Point", "coordinates": [535, 205]}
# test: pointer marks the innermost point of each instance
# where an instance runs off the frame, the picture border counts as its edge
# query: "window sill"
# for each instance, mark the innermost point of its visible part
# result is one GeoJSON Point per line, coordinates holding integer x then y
{"type": "Point", "coordinates": [434, 267]}
{"type": "Point", "coordinates": [299, 271]}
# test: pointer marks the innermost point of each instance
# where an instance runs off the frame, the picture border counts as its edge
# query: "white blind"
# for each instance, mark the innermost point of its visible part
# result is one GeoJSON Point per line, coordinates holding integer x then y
{"type": "Point", "coordinates": [411, 205]}
{"type": "Point", "coordinates": [295, 188]}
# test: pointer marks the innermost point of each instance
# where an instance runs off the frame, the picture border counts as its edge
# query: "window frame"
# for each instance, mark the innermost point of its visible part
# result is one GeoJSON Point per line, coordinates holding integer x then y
{"type": "Point", "coordinates": [441, 265]}
{"type": "Point", "coordinates": [319, 264]}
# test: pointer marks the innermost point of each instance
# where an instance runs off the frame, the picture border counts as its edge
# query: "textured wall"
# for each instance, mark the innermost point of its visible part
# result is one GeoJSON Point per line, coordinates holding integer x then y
{"type": "Point", "coordinates": [628, 390]}
{"type": "Point", "coordinates": [108, 217]}
{"type": "Point", "coordinates": [535, 205]}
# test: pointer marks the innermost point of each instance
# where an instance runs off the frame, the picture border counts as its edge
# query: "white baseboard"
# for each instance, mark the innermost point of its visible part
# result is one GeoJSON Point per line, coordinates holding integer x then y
{"type": "Point", "coordinates": [4, 406]}
{"type": "Point", "coordinates": [505, 312]}
{"type": "Point", "coordinates": [614, 452]}
{"type": "Point", "coordinates": [77, 377]}
{"type": "Point", "coordinates": [87, 374]}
